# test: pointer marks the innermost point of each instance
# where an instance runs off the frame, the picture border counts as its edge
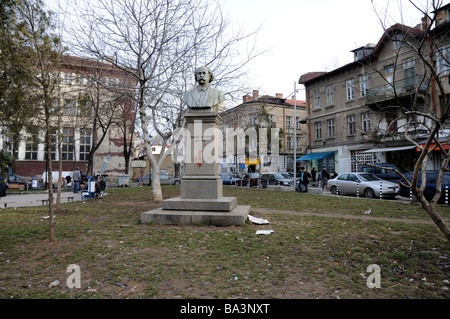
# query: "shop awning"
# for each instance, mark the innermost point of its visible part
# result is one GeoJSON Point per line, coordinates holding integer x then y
{"type": "Point", "coordinates": [390, 149]}
{"type": "Point", "coordinates": [313, 156]}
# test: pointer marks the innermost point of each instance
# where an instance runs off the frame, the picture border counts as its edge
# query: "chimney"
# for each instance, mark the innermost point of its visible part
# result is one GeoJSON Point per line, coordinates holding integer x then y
{"type": "Point", "coordinates": [255, 94]}
{"type": "Point", "coordinates": [246, 98]}
{"type": "Point", "coordinates": [425, 23]}
{"type": "Point", "coordinates": [279, 95]}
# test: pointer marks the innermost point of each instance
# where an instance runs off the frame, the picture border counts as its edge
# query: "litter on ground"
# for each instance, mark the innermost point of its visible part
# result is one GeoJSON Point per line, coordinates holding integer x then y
{"type": "Point", "coordinates": [264, 232]}
{"type": "Point", "coordinates": [257, 220]}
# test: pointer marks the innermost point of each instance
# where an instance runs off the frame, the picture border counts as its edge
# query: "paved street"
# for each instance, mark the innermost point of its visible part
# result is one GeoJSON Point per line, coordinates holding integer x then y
{"type": "Point", "coordinates": [27, 199]}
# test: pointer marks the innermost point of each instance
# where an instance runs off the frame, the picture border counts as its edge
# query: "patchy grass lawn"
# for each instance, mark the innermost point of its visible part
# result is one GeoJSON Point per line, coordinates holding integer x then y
{"type": "Point", "coordinates": [321, 248]}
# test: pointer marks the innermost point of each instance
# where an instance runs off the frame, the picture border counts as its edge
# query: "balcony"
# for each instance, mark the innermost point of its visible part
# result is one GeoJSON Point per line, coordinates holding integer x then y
{"type": "Point", "coordinates": [400, 92]}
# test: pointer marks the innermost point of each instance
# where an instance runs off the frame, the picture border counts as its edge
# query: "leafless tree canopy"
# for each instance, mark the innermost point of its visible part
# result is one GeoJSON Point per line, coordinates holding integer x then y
{"type": "Point", "coordinates": [160, 43]}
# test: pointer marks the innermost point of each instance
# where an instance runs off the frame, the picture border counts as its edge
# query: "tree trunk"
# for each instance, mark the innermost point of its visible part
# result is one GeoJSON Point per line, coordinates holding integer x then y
{"type": "Point", "coordinates": [50, 181]}
{"type": "Point", "coordinates": [156, 183]}
{"type": "Point", "coordinates": [437, 219]}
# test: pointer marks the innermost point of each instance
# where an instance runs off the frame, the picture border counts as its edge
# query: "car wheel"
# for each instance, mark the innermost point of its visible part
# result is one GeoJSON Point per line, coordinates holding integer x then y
{"type": "Point", "coordinates": [177, 183]}
{"type": "Point", "coordinates": [369, 193]}
{"type": "Point", "coordinates": [333, 190]}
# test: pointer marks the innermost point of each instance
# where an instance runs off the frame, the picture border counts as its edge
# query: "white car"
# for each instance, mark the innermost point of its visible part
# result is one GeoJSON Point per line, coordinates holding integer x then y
{"type": "Point", "coordinates": [366, 184]}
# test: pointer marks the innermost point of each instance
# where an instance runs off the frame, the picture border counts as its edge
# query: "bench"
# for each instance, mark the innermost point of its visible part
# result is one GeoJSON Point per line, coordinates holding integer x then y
{"type": "Point", "coordinates": [16, 187]}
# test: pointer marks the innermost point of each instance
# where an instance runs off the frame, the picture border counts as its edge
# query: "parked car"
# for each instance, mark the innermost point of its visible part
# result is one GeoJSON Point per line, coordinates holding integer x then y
{"type": "Point", "coordinates": [430, 187]}
{"type": "Point", "coordinates": [367, 184]}
{"type": "Point", "coordinates": [229, 178]}
{"type": "Point", "coordinates": [283, 179]}
{"type": "Point", "coordinates": [387, 172]}
{"type": "Point", "coordinates": [17, 182]}
{"type": "Point", "coordinates": [163, 178]}
{"type": "Point", "coordinates": [246, 179]}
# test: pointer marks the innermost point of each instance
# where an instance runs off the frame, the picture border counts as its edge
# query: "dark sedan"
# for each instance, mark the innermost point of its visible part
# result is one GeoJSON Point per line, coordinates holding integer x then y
{"type": "Point", "coordinates": [229, 178]}
{"type": "Point", "coordinates": [251, 179]}
{"type": "Point", "coordinates": [430, 187]}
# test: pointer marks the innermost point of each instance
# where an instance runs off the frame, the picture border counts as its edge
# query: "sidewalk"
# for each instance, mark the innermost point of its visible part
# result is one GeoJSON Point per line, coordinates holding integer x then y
{"type": "Point", "coordinates": [25, 200]}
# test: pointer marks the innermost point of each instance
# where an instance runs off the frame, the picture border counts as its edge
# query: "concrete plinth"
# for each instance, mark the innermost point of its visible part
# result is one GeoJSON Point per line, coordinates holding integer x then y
{"type": "Point", "coordinates": [224, 204]}
{"type": "Point", "coordinates": [235, 217]}
{"type": "Point", "coordinates": [201, 198]}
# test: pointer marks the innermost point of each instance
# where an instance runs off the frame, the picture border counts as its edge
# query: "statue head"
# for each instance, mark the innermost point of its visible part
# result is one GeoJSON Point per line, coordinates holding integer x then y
{"type": "Point", "coordinates": [203, 70]}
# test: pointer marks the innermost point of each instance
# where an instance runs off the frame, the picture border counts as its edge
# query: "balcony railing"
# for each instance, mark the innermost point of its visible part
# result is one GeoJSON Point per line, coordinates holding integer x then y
{"type": "Point", "coordinates": [397, 89]}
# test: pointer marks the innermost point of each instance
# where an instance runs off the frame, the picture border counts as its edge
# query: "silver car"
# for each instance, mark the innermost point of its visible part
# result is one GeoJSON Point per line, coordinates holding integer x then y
{"type": "Point", "coordinates": [364, 184]}
{"type": "Point", "coordinates": [163, 178]}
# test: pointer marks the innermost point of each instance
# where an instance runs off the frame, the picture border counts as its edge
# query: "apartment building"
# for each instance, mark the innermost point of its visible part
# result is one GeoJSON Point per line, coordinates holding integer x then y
{"type": "Point", "coordinates": [361, 112]}
{"type": "Point", "coordinates": [272, 112]}
{"type": "Point", "coordinates": [91, 97]}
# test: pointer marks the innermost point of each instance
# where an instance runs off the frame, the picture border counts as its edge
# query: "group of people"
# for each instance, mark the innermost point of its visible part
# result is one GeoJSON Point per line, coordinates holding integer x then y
{"type": "Point", "coordinates": [82, 184]}
{"type": "Point", "coordinates": [305, 177]}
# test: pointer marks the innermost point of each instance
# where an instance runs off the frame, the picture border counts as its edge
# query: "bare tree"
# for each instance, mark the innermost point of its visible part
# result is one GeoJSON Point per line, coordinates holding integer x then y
{"type": "Point", "coordinates": [43, 52]}
{"type": "Point", "coordinates": [423, 115]}
{"type": "Point", "coordinates": [159, 42]}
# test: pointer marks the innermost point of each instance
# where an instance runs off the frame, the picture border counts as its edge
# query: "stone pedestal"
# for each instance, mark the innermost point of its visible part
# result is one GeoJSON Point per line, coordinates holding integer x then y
{"type": "Point", "coordinates": [201, 198]}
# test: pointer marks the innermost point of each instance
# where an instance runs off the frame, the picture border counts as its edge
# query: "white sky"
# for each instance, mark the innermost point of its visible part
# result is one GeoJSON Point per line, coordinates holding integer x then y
{"type": "Point", "coordinates": [308, 36]}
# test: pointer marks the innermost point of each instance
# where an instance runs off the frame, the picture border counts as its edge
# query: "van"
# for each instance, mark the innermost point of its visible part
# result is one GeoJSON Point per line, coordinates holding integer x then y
{"type": "Point", "coordinates": [384, 171]}
{"type": "Point", "coordinates": [55, 176]}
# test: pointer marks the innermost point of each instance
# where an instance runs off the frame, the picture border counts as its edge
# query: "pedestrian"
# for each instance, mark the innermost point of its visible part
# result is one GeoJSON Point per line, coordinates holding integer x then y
{"type": "Point", "coordinates": [325, 176]}
{"type": "Point", "coordinates": [76, 180]}
{"type": "Point", "coordinates": [304, 180]}
{"type": "Point", "coordinates": [100, 186]}
{"type": "Point", "coordinates": [313, 174]}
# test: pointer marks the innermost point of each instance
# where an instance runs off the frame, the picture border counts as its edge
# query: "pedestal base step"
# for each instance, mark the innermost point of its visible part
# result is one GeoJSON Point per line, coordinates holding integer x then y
{"type": "Point", "coordinates": [224, 204]}
{"type": "Point", "coordinates": [235, 217]}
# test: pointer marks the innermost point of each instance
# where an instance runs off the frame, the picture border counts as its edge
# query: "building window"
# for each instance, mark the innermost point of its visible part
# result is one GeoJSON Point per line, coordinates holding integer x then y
{"type": "Point", "coordinates": [298, 142]}
{"type": "Point", "coordinates": [330, 95]}
{"type": "Point", "coordinates": [289, 142]}
{"type": "Point", "coordinates": [68, 78]}
{"type": "Point", "coordinates": [31, 148]}
{"type": "Point", "coordinates": [252, 120]}
{"type": "Point", "coordinates": [69, 107]}
{"type": "Point", "coordinates": [409, 69]}
{"type": "Point", "coordinates": [52, 147]}
{"type": "Point", "coordinates": [297, 123]}
{"type": "Point", "coordinates": [86, 108]}
{"type": "Point", "coordinates": [443, 60]}
{"type": "Point", "coordinates": [351, 125]}
{"type": "Point", "coordinates": [318, 127]}
{"type": "Point", "coordinates": [67, 146]}
{"type": "Point", "coordinates": [389, 76]}
{"type": "Point", "coordinates": [364, 84]}
{"type": "Point", "coordinates": [317, 99]}
{"type": "Point", "coordinates": [288, 121]}
{"type": "Point", "coordinates": [55, 106]}
{"type": "Point", "coordinates": [365, 120]}
{"type": "Point", "coordinates": [271, 119]}
{"type": "Point", "coordinates": [350, 89]}
{"type": "Point", "coordinates": [331, 133]}
{"type": "Point", "coordinates": [85, 143]}
{"type": "Point", "coordinates": [398, 41]}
